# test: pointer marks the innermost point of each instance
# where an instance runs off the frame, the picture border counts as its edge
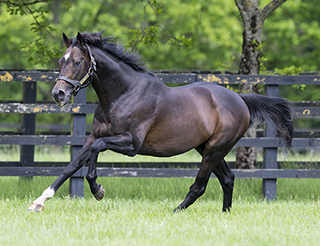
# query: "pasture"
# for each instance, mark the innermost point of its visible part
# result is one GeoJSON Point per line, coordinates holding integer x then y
{"type": "Point", "coordinates": [138, 211]}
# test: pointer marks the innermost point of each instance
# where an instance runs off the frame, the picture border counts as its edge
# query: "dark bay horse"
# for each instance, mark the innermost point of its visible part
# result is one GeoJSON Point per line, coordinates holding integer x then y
{"type": "Point", "coordinates": [138, 114]}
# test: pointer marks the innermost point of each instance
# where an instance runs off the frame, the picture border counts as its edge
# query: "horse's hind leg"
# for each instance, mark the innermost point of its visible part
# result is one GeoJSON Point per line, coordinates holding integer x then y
{"type": "Point", "coordinates": [226, 178]}
{"type": "Point", "coordinates": [198, 188]}
{"type": "Point", "coordinates": [212, 161]}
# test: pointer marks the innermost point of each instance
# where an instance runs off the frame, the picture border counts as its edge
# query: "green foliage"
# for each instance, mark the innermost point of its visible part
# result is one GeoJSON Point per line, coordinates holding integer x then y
{"type": "Point", "coordinates": [228, 65]}
{"type": "Point", "coordinates": [39, 49]}
{"type": "Point", "coordinates": [292, 36]}
{"type": "Point", "coordinates": [148, 36]}
{"type": "Point", "coordinates": [292, 70]}
{"type": "Point", "coordinates": [181, 41]}
{"type": "Point", "coordinates": [169, 34]}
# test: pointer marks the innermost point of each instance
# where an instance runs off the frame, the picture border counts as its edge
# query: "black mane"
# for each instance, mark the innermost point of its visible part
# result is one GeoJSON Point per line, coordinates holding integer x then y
{"type": "Point", "coordinates": [108, 44]}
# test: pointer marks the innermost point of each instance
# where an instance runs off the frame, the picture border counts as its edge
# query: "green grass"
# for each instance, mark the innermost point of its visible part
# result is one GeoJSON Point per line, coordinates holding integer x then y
{"type": "Point", "coordinates": [138, 211]}
{"type": "Point", "coordinates": [145, 222]}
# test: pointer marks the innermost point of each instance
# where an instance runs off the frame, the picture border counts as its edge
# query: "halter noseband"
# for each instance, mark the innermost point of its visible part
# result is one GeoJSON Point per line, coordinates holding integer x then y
{"type": "Point", "coordinates": [86, 80]}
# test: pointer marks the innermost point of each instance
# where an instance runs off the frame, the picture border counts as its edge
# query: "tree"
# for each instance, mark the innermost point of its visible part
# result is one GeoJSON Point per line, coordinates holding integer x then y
{"type": "Point", "coordinates": [253, 21]}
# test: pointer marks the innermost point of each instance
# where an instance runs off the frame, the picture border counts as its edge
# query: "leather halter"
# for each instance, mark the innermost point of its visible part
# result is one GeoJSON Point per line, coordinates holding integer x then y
{"type": "Point", "coordinates": [86, 80]}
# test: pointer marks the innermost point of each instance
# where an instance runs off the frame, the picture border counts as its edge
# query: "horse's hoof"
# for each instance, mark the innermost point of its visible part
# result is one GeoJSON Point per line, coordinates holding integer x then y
{"type": "Point", "coordinates": [100, 193]}
{"type": "Point", "coordinates": [35, 207]}
{"type": "Point", "coordinates": [178, 210]}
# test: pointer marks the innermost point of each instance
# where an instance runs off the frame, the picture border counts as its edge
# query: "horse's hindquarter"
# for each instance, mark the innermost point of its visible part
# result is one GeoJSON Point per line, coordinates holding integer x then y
{"type": "Point", "coordinates": [234, 117]}
{"type": "Point", "coordinates": [189, 116]}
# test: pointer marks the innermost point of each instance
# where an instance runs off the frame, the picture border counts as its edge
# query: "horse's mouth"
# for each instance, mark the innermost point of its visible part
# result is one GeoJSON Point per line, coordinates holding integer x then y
{"type": "Point", "coordinates": [61, 102]}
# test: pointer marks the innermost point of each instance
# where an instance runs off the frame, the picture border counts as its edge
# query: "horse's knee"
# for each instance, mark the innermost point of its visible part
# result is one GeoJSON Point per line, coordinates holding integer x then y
{"type": "Point", "coordinates": [94, 149]}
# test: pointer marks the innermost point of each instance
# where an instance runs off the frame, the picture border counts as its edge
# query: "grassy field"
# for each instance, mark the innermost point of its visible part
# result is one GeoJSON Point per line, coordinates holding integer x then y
{"type": "Point", "coordinates": [138, 211]}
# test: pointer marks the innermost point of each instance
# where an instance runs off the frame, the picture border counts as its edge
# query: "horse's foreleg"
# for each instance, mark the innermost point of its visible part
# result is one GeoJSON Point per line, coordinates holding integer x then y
{"type": "Point", "coordinates": [226, 179]}
{"type": "Point", "coordinates": [81, 159]}
{"type": "Point", "coordinates": [122, 143]}
{"type": "Point", "coordinates": [96, 189]}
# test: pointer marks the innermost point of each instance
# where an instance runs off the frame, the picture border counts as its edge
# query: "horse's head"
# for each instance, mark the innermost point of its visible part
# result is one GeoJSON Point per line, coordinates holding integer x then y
{"type": "Point", "coordinates": [76, 69]}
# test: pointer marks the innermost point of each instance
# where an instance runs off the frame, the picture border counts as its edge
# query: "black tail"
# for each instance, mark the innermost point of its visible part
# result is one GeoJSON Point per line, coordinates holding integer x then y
{"type": "Point", "coordinates": [271, 109]}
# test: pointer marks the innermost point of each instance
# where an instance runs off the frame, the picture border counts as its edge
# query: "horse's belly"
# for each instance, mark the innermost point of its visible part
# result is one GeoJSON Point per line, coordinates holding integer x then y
{"type": "Point", "coordinates": [165, 144]}
{"type": "Point", "coordinates": [162, 151]}
{"type": "Point", "coordinates": [147, 150]}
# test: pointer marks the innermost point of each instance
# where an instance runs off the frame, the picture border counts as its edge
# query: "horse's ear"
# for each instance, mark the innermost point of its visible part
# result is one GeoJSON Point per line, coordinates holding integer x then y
{"type": "Point", "coordinates": [66, 40]}
{"type": "Point", "coordinates": [80, 39]}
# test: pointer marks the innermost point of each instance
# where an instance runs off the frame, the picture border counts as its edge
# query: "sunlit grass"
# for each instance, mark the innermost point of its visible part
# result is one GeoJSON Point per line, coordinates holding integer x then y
{"type": "Point", "coordinates": [138, 211]}
{"type": "Point", "coordinates": [120, 221]}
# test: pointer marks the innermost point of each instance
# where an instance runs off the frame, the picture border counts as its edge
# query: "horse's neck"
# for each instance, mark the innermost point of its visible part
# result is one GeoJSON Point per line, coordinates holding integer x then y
{"type": "Point", "coordinates": [113, 79]}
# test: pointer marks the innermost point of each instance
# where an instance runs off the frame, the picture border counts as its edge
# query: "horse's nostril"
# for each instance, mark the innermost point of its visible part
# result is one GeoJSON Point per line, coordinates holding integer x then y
{"type": "Point", "coordinates": [60, 93]}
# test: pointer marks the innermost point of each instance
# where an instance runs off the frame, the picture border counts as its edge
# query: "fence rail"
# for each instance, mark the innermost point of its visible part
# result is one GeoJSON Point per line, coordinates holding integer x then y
{"type": "Point", "coordinates": [267, 142]}
{"type": "Point", "coordinates": [160, 172]}
{"type": "Point", "coordinates": [311, 109]}
{"type": "Point", "coordinates": [29, 108]}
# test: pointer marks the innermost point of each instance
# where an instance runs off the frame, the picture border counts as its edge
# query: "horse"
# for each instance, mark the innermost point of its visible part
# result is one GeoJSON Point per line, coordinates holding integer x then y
{"type": "Point", "coordinates": [138, 114]}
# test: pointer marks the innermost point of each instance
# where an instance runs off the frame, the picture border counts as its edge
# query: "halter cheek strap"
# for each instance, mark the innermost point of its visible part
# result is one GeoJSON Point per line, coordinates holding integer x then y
{"type": "Point", "coordinates": [86, 80]}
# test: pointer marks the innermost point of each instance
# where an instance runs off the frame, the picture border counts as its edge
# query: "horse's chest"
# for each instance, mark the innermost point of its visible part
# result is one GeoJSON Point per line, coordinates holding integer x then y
{"type": "Point", "coordinates": [102, 130]}
{"type": "Point", "coordinates": [109, 127]}
{"type": "Point", "coordinates": [103, 123]}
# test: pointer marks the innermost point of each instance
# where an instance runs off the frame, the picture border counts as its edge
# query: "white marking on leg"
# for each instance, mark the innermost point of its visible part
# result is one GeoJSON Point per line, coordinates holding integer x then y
{"type": "Point", "coordinates": [66, 56]}
{"type": "Point", "coordinates": [46, 195]}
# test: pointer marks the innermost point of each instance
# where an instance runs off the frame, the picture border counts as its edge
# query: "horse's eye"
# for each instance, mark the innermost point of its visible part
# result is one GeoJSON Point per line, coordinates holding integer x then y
{"type": "Point", "coordinates": [76, 64]}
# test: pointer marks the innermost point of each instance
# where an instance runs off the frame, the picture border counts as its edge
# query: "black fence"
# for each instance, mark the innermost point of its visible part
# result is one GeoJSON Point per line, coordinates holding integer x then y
{"type": "Point", "coordinates": [29, 107]}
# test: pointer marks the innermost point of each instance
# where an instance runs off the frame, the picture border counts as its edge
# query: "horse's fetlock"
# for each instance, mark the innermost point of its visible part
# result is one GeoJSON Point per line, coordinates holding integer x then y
{"type": "Point", "coordinates": [91, 177]}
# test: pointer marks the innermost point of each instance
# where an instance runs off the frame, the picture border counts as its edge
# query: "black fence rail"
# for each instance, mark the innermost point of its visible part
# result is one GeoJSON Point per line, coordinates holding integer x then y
{"type": "Point", "coordinates": [29, 108]}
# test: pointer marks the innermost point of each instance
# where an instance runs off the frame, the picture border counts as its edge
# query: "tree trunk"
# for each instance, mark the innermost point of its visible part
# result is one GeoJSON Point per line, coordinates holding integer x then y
{"type": "Point", "coordinates": [253, 20]}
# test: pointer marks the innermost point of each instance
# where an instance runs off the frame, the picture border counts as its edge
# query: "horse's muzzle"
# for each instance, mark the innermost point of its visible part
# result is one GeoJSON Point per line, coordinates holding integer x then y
{"type": "Point", "coordinates": [60, 96]}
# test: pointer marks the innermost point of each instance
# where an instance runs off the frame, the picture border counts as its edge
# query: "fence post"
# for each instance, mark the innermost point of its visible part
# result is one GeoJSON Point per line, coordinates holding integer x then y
{"type": "Point", "coordinates": [78, 128]}
{"type": "Point", "coordinates": [269, 186]}
{"type": "Point", "coordinates": [28, 124]}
